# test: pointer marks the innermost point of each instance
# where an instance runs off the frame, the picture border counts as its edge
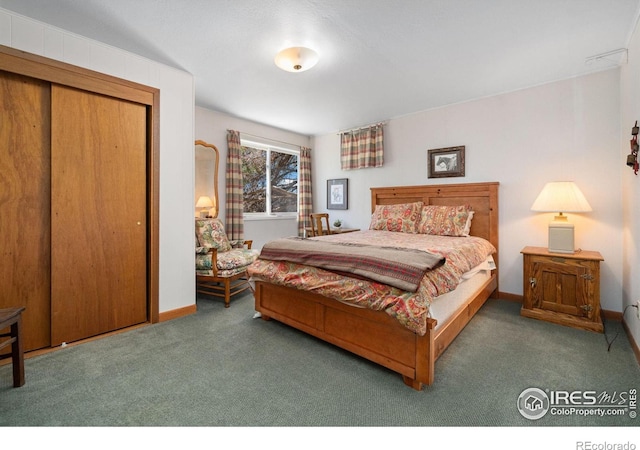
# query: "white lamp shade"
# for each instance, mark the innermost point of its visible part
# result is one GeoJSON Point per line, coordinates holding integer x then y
{"type": "Point", "coordinates": [204, 202]}
{"type": "Point", "coordinates": [561, 196]}
{"type": "Point", "coordinates": [296, 59]}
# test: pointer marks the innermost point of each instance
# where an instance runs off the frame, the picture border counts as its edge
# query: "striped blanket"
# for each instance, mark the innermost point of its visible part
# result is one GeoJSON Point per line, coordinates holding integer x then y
{"type": "Point", "coordinates": [398, 267]}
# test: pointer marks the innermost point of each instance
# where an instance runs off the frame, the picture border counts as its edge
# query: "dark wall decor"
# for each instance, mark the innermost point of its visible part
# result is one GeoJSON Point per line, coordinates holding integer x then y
{"type": "Point", "coordinates": [337, 193]}
{"type": "Point", "coordinates": [632, 158]}
{"type": "Point", "coordinates": [446, 162]}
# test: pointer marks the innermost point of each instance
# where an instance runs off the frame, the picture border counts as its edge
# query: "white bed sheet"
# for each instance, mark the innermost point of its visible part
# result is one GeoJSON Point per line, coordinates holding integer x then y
{"type": "Point", "coordinates": [444, 306]}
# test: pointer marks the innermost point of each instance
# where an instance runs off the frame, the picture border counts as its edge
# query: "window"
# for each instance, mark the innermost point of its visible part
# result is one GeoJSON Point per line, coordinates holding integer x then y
{"type": "Point", "coordinates": [270, 176]}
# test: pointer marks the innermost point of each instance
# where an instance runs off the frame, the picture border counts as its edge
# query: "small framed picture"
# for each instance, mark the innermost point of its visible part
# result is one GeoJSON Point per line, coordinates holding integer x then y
{"type": "Point", "coordinates": [337, 193]}
{"type": "Point", "coordinates": [446, 162]}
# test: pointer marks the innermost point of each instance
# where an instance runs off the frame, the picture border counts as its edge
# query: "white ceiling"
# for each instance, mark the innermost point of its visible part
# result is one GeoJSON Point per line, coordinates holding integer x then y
{"type": "Point", "coordinates": [379, 59]}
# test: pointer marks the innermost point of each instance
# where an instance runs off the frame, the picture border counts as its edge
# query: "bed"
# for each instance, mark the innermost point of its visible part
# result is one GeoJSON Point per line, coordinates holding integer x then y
{"type": "Point", "coordinates": [376, 334]}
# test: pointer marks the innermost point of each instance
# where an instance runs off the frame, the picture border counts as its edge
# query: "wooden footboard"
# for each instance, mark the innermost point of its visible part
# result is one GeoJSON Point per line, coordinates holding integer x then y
{"type": "Point", "coordinates": [374, 335]}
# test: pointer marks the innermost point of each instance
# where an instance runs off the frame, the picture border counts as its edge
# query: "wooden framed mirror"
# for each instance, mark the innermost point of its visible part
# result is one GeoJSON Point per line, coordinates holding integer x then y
{"type": "Point", "coordinates": [206, 179]}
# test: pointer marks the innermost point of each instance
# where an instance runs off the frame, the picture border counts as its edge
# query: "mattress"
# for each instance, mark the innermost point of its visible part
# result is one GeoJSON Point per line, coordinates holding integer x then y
{"type": "Point", "coordinates": [444, 306]}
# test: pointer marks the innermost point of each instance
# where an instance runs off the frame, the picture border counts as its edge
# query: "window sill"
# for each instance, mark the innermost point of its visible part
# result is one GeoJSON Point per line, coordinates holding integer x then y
{"type": "Point", "coordinates": [271, 217]}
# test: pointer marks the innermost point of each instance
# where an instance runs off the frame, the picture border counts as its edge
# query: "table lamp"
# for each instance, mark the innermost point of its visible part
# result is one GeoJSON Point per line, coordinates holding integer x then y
{"type": "Point", "coordinates": [561, 197]}
{"type": "Point", "coordinates": [204, 203]}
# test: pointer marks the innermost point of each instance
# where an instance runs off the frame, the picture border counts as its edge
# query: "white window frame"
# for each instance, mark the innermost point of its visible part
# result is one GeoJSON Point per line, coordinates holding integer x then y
{"type": "Point", "coordinates": [260, 144]}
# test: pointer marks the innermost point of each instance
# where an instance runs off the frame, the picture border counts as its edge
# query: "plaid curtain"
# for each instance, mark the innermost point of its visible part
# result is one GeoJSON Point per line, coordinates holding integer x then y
{"type": "Point", "coordinates": [362, 148]}
{"type": "Point", "coordinates": [305, 198]}
{"type": "Point", "coordinates": [234, 189]}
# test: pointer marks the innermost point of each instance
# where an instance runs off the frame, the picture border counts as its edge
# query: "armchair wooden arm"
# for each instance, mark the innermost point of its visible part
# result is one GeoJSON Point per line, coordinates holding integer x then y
{"type": "Point", "coordinates": [241, 243]}
{"type": "Point", "coordinates": [214, 255]}
{"type": "Point", "coordinates": [214, 260]}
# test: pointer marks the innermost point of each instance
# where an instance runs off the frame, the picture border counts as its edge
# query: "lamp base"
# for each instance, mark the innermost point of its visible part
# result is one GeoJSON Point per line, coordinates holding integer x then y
{"type": "Point", "coordinates": [561, 237]}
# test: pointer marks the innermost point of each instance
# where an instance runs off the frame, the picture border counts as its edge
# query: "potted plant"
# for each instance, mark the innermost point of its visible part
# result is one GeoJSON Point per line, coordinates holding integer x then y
{"type": "Point", "coordinates": [337, 223]}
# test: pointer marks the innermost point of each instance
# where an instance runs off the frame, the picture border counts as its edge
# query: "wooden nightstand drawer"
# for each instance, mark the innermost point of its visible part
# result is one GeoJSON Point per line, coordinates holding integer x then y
{"type": "Point", "coordinates": [562, 288]}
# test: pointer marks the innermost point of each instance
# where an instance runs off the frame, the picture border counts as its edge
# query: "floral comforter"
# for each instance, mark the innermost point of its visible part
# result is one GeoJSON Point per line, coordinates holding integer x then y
{"type": "Point", "coordinates": [411, 309]}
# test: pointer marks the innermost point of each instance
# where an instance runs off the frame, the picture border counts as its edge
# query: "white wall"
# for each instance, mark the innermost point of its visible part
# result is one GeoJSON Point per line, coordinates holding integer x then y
{"type": "Point", "coordinates": [630, 112]}
{"type": "Point", "coordinates": [177, 274]}
{"type": "Point", "coordinates": [212, 126]}
{"type": "Point", "coordinates": [568, 130]}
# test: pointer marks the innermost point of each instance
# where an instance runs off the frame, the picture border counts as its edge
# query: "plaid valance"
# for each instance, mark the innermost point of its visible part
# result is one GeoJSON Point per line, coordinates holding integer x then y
{"type": "Point", "coordinates": [362, 148]}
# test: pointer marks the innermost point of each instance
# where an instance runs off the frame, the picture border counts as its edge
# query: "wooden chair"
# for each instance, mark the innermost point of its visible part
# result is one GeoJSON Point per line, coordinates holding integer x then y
{"type": "Point", "coordinates": [317, 228]}
{"type": "Point", "coordinates": [221, 264]}
{"type": "Point", "coordinates": [12, 318]}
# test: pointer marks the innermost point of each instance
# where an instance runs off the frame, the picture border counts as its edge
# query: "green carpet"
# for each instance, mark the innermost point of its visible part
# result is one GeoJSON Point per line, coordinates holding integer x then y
{"type": "Point", "coordinates": [221, 367]}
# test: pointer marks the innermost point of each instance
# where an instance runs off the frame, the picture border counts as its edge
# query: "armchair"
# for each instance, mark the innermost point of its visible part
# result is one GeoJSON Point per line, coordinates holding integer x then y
{"type": "Point", "coordinates": [221, 264]}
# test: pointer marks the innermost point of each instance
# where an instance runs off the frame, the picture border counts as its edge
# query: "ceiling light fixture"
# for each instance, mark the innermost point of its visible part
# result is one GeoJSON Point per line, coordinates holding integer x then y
{"type": "Point", "coordinates": [296, 59]}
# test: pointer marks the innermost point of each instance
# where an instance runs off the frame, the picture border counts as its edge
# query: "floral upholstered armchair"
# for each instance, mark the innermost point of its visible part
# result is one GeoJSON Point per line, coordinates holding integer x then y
{"type": "Point", "coordinates": [221, 264]}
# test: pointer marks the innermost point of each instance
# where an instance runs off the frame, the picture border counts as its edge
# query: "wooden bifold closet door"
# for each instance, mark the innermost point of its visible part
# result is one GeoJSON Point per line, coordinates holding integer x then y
{"type": "Point", "coordinates": [98, 214]}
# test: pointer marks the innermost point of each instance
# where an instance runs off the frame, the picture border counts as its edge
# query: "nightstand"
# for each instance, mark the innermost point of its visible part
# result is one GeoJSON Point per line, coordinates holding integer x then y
{"type": "Point", "coordinates": [562, 288]}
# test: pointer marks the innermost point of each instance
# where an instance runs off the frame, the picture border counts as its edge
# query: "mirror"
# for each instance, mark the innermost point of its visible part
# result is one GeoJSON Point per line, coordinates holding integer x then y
{"type": "Point", "coordinates": [206, 179]}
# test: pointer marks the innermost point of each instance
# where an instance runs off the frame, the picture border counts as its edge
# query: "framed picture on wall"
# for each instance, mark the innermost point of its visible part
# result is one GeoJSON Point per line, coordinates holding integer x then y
{"type": "Point", "coordinates": [446, 162]}
{"type": "Point", "coordinates": [337, 193]}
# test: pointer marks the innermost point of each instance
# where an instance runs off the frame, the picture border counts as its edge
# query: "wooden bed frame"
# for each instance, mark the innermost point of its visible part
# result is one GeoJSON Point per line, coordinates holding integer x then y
{"type": "Point", "coordinates": [375, 335]}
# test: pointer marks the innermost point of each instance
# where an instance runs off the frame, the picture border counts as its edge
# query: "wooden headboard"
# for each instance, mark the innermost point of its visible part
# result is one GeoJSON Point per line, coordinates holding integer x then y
{"type": "Point", "coordinates": [483, 198]}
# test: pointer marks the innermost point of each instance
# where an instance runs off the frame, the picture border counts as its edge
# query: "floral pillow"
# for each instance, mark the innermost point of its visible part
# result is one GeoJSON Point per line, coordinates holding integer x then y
{"type": "Point", "coordinates": [403, 217]}
{"type": "Point", "coordinates": [210, 233]}
{"type": "Point", "coordinates": [446, 220]}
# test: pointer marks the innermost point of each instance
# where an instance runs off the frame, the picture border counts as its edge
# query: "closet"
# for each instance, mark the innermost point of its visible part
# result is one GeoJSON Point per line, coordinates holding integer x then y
{"type": "Point", "coordinates": [78, 199]}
